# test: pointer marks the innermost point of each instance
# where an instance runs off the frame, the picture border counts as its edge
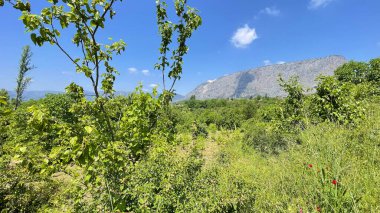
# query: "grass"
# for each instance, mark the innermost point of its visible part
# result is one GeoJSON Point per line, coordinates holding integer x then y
{"type": "Point", "coordinates": [334, 169]}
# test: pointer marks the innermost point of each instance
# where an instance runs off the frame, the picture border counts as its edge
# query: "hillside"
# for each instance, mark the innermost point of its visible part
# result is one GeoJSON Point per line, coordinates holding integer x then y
{"type": "Point", "coordinates": [263, 80]}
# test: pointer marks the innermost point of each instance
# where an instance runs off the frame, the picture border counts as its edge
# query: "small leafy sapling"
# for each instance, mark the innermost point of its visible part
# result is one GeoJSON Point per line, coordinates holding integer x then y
{"type": "Point", "coordinates": [108, 136]}
{"type": "Point", "coordinates": [171, 62]}
{"type": "Point", "coordinates": [87, 18]}
{"type": "Point", "coordinates": [22, 80]}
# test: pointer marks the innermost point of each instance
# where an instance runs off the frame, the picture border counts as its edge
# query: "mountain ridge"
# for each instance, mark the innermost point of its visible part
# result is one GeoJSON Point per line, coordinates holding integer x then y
{"type": "Point", "coordinates": [263, 80]}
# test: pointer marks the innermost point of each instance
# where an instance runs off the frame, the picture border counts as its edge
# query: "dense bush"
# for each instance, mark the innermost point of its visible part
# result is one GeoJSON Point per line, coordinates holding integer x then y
{"type": "Point", "coordinates": [265, 137]}
{"type": "Point", "coordinates": [293, 113]}
{"type": "Point", "coordinates": [359, 72]}
{"type": "Point", "coordinates": [337, 101]}
{"type": "Point", "coordinates": [354, 72]}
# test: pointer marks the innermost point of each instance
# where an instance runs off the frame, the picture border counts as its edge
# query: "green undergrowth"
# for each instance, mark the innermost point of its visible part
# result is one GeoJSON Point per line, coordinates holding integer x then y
{"type": "Point", "coordinates": [216, 167]}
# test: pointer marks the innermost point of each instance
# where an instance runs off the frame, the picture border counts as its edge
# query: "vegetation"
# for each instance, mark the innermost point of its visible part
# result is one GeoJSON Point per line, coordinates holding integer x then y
{"type": "Point", "coordinates": [22, 80]}
{"type": "Point", "coordinates": [140, 153]}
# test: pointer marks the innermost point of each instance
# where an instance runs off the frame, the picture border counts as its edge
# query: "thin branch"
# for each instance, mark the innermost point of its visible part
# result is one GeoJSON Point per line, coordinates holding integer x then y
{"type": "Point", "coordinates": [104, 14]}
{"type": "Point", "coordinates": [171, 88]}
{"type": "Point", "coordinates": [55, 40]}
{"type": "Point", "coordinates": [163, 79]}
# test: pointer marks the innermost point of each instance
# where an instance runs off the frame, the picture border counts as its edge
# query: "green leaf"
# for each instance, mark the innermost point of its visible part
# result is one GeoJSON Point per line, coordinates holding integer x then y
{"type": "Point", "coordinates": [87, 178]}
{"type": "Point", "coordinates": [88, 129]}
{"type": "Point", "coordinates": [23, 149]}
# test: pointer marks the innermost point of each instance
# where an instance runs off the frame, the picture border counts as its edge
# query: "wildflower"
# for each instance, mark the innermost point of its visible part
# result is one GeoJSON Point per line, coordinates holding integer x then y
{"type": "Point", "coordinates": [301, 210]}
{"type": "Point", "coordinates": [319, 209]}
{"type": "Point", "coordinates": [310, 165]}
{"type": "Point", "coordinates": [334, 182]}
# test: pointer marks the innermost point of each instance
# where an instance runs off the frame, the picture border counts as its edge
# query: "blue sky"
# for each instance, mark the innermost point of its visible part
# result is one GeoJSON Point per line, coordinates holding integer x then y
{"type": "Point", "coordinates": [235, 35]}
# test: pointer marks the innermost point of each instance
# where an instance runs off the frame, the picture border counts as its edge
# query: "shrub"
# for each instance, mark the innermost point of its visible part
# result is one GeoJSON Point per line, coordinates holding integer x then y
{"type": "Point", "coordinates": [353, 72]}
{"type": "Point", "coordinates": [265, 137]}
{"type": "Point", "coordinates": [336, 101]}
{"type": "Point", "coordinates": [293, 107]}
{"type": "Point", "coordinates": [199, 130]}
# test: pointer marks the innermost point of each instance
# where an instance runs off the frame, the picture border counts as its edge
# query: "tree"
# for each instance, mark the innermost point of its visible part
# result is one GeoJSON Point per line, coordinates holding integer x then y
{"type": "Point", "coordinates": [293, 106]}
{"type": "Point", "coordinates": [374, 71]}
{"type": "Point", "coordinates": [107, 136]}
{"type": "Point", "coordinates": [4, 96]}
{"type": "Point", "coordinates": [354, 72]}
{"type": "Point", "coordinates": [188, 22]}
{"type": "Point", "coordinates": [337, 101]}
{"type": "Point", "coordinates": [22, 80]}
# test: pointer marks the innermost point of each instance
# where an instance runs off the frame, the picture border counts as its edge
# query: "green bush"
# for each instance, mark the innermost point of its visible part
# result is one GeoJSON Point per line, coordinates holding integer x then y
{"type": "Point", "coordinates": [293, 113]}
{"type": "Point", "coordinates": [353, 72]}
{"type": "Point", "coordinates": [337, 102]}
{"type": "Point", "coordinates": [265, 137]}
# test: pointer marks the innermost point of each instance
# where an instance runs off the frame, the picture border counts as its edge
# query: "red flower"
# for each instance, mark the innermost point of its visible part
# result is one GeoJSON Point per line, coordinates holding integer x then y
{"type": "Point", "coordinates": [334, 182]}
{"type": "Point", "coordinates": [310, 165]}
{"type": "Point", "coordinates": [301, 210]}
{"type": "Point", "coordinates": [319, 209]}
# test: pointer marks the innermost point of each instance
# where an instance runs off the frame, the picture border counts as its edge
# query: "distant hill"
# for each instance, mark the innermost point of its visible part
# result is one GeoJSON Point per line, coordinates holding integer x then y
{"type": "Point", "coordinates": [178, 97]}
{"type": "Point", "coordinates": [35, 95]}
{"type": "Point", "coordinates": [263, 80]}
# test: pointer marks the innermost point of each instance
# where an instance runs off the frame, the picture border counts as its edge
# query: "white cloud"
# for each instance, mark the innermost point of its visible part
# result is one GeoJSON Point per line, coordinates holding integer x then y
{"type": "Point", "coordinates": [244, 36]}
{"type": "Point", "coordinates": [67, 73]}
{"type": "Point", "coordinates": [271, 11]}
{"type": "Point", "coordinates": [132, 70]}
{"type": "Point", "coordinates": [315, 4]}
{"type": "Point", "coordinates": [267, 62]}
{"type": "Point", "coordinates": [280, 62]}
{"type": "Point", "coordinates": [145, 72]}
{"type": "Point", "coordinates": [153, 85]}
{"type": "Point", "coordinates": [210, 81]}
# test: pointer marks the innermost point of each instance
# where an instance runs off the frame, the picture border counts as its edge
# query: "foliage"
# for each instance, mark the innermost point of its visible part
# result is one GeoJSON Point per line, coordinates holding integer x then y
{"type": "Point", "coordinates": [105, 138]}
{"type": "Point", "coordinates": [86, 18]}
{"type": "Point", "coordinates": [188, 22]}
{"type": "Point", "coordinates": [336, 101]}
{"type": "Point", "coordinates": [294, 103]}
{"type": "Point", "coordinates": [44, 161]}
{"type": "Point", "coordinates": [199, 130]}
{"type": "Point", "coordinates": [22, 80]}
{"type": "Point", "coordinates": [4, 97]}
{"type": "Point", "coordinates": [374, 71]}
{"type": "Point", "coordinates": [360, 72]}
{"type": "Point", "coordinates": [265, 137]}
{"type": "Point", "coordinates": [5, 110]}
{"type": "Point", "coordinates": [139, 153]}
{"type": "Point", "coordinates": [354, 72]}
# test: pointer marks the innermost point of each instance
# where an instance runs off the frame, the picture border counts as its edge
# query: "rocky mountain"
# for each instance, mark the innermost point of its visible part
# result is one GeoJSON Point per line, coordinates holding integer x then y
{"type": "Point", "coordinates": [263, 81]}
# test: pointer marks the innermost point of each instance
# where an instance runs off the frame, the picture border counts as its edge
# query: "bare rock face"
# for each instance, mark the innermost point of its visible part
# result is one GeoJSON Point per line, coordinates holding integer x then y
{"type": "Point", "coordinates": [263, 81]}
